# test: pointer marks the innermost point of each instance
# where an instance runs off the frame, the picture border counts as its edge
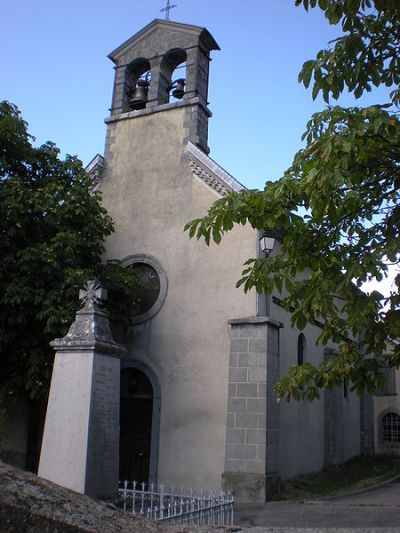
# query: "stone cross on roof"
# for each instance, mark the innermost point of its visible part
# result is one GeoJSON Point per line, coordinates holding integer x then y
{"type": "Point", "coordinates": [167, 9]}
{"type": "Point", "coordinates": [93, 293]}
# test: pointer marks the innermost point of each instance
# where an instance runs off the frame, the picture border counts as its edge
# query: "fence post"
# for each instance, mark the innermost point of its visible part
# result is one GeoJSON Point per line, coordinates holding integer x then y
{"type": "Point", "coordinates": [161, 502]}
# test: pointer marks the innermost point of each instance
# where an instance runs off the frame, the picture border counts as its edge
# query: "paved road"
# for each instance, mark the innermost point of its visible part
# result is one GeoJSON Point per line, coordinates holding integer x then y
{"type": "Point", "coordinates": [366, 512]}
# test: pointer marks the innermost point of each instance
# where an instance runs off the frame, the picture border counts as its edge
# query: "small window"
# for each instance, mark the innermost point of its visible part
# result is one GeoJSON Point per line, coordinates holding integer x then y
{"type": "Point", "coordinates": [345, 388]}
{"type": "Point", "coordinates": [301, 347]}
{"type": "Point", "coordinates": [391, 428]}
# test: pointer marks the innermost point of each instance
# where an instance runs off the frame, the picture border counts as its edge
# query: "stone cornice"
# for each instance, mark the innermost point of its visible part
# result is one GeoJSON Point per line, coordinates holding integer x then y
{"type": "Point", "coordinates": [255, 320]}
{"type": "Point", "coordinates": [158, 109]}
{"type": "Point", "coordinates": [208, 171]}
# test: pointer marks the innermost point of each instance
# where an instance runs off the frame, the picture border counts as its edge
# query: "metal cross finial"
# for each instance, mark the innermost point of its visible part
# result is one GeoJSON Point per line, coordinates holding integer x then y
{"type": "Point", "coordinates": [167, 9]}
{"type": "Point", "coordinates": [93, 293]}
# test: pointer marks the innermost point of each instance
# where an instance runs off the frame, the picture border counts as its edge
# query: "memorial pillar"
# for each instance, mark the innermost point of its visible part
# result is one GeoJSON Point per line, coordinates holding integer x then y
{"type": "Point", "coordinates": [81, 434]}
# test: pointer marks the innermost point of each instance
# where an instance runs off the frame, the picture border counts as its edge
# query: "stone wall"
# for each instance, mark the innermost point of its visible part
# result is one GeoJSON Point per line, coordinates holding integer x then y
{"type": "Point", "coordinates": [252, 435]}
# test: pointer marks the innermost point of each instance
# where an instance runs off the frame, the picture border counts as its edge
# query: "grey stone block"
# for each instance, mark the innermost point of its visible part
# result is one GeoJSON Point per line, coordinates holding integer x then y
{"type": "Point", "coordinates": [255, 436]}
{"type": "Point", "coordinates": [247, 390]}
{"type": "Point", "coordinates": [248, 331]}
{"type": "Point", "coordinates": [262, 390]}
{"type": "Point", "coordinates": [257, 346]}
{"type": "Point", "coordinates": [256, 405]}
{"type": "Point", "coordinates": [247, 360]}
{"type": "Point", "coordinates": [262, 360]}
{"type": "Point", "coordinates": [246, 420]}
{"type": "Point", "coordinates": [237, 405]}
{"type": "Point", "coordinates": [235, 436]}
{"type": "Point", "coordinates": [257, 375]}
{"type": "Point", "coordinates": [239, 345]}
{"type": "Point", "coordinates": [238, 374]}
{"type": "Point", "coordinates": [233, 360]}
{"type": "Point", "coordinates": [245, 451]}
{"type": "Point", "coordinates": [239, 465]}
{"type": "Point", "coordinates": [261, 452]}
{"type": "Point", "coordinates": [261, 421]}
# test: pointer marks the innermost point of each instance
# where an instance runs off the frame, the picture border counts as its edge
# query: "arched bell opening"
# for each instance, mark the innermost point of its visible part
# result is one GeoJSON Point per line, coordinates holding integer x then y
{"type": "Point", "coordinates": [173, 76]}
{"type": "Point", "coordinates": [136, 414]}
{"type": "Point", "coordinates": [138, 79]}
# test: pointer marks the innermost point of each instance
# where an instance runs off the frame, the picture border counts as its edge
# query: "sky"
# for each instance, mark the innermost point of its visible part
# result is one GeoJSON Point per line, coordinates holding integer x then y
{"type": "Point", "coordinates": [54, 66]}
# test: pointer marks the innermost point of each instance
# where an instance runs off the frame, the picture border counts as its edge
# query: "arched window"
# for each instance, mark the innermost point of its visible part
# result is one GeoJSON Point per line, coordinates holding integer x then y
{"type": "Point", "coordinates": [301, 349]}
{"type": "Point", "coordinates": [173, 76]}
{"type": "Point", "coordinates": [137, 83]}
{"type": "Point", "coordinates": [391, 428]}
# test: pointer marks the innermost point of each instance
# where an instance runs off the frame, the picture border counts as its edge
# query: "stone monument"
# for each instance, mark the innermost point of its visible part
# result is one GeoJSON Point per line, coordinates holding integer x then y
{"type": "Point", "coordinates": [81, 434]}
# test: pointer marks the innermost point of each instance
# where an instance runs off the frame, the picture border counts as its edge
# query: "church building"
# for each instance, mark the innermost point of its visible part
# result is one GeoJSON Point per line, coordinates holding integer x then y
{"type": "Point", "coordinates": [200, 359]}
{"type": "Point", "coordinates": [197, 401]}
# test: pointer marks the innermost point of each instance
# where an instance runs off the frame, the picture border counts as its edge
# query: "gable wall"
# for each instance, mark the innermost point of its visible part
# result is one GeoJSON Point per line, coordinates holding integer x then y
{"type": "Point", "coordinates": [149, 191]}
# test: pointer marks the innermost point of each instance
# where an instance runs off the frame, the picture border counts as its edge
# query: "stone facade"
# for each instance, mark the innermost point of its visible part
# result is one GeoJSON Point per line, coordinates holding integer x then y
{"type": "Point", "coordinates": [252, 434]}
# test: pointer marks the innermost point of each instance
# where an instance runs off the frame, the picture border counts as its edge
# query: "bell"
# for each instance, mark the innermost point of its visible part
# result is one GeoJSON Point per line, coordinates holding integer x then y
{"type": "Point", "coordinates": [179, 89]}
{"type": "Point", "coordinates": [139, 95]}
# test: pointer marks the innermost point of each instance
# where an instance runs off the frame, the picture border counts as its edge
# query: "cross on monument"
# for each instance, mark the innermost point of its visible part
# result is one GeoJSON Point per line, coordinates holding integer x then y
{"type": "Point", "coordinates": [167, 9]}
{"type": "Point", "coordinates": [93, 293]}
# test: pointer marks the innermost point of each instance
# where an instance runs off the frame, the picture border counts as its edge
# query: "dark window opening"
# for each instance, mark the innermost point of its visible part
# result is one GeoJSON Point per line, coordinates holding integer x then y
{"type": "Point", "coordinates": [301, 341]}
{"type": "Point", "coordinates": [345, 388]}
{"type": "Point", "coordinates": [149, 289]}
{"type": "Point", "coordinates": [391, 428]}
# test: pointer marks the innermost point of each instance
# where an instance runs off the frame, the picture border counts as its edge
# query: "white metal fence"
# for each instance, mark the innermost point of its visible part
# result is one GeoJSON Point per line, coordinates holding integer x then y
{"type": "Point", "coordinates": [194, 508]}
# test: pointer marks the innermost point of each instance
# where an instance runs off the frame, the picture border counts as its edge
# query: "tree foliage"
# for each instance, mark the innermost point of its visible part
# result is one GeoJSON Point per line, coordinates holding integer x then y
{"type": "Point", "coordinates": [52, 231]}
{"type": "Point", "coordinates": [337, 206]}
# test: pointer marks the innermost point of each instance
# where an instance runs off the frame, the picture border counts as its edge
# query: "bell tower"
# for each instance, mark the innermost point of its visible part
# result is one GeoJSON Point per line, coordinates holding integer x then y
{"type": "Point", "coordinates": [164, 66]}
{"type": "Point", "coordinates": [155, 142]}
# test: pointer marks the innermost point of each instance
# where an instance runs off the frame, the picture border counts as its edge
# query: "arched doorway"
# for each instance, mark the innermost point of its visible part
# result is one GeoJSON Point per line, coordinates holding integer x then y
{"type": "Point", "coordinates": [136, 415]}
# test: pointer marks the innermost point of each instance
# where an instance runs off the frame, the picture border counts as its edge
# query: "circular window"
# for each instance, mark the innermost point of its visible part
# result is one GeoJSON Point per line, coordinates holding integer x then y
{"type": "Point", "coordinates": [153, 288]}
{"type": "Point", "coordinates": [149, 290]}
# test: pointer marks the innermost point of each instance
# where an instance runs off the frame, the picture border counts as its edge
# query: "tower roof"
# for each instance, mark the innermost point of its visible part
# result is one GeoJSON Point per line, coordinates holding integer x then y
{"type": "Point", "coordinates": [169, 27]}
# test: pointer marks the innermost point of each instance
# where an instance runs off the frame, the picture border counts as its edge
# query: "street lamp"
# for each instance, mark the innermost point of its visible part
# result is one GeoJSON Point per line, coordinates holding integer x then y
{"type": "Point", "coordinates": [267, 242]}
